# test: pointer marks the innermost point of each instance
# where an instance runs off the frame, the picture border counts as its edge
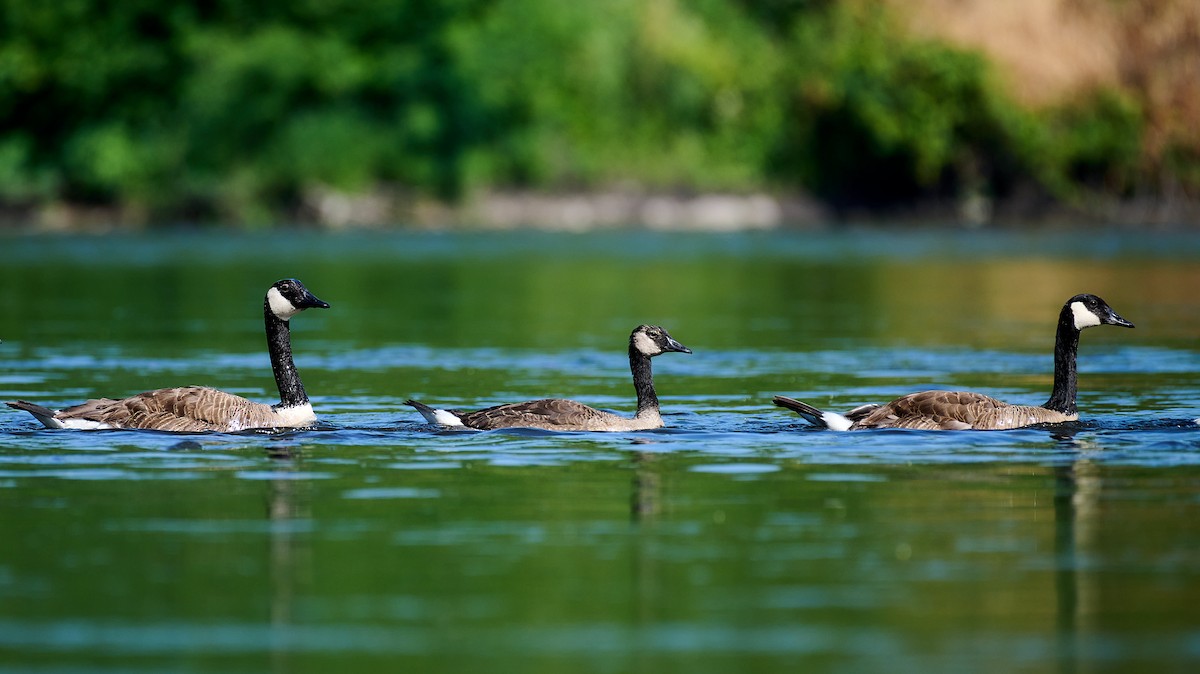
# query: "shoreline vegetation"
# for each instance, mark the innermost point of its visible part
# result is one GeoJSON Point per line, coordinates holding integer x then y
{"type": "Point", "coordinates": [593, 210]}
{"type": "Point", "coordinates": [708, 115]}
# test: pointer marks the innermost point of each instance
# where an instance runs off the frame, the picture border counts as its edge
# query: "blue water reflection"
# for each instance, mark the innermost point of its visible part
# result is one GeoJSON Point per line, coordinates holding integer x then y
{"type": "Point", "coordinates": [735, 539]}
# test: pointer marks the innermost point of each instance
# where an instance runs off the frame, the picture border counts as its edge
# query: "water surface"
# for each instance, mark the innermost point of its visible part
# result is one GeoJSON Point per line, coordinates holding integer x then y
{"type": "Point", "coordinates": [735, 539]}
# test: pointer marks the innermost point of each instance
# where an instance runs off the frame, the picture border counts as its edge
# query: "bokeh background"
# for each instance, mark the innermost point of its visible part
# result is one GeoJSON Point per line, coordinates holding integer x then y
{"type": "Point", "coordinates": [571, 114]}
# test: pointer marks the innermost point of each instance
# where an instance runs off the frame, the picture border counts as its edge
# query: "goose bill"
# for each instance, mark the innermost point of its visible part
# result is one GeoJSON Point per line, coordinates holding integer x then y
{"type": "Point", "coordinates": [1113, 319]}
{"type": "Point", "coordinates": [310, 301]}
{"type": "Point", "coordinates": [673, 345]}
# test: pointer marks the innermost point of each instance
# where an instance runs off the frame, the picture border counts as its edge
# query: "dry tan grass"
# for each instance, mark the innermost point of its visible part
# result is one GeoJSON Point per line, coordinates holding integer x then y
{"type": "Point", "coordinates": [1045, 49]}
{"type": "Point", "coordinates": [1161, 64]}
{"type": "Point", "coordinates": [1049, 51]}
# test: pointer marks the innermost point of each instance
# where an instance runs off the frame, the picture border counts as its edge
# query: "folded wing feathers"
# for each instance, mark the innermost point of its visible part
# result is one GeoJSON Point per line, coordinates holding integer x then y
{"type": "Point", "coordinates": [191, 408]}
{"type": "Point", "coordinates": [956, 410]}
{"type": "Point", "coordinates": [554, 414]}
{"type": "Point", "coordinates": [862, 411]}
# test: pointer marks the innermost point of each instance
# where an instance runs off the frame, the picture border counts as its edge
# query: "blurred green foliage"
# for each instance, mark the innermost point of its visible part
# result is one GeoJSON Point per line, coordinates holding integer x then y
{"type": "Point", "coordinates": [233, 111]}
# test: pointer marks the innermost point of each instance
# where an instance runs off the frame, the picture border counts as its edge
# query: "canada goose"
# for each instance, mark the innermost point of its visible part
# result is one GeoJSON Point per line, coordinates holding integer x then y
{"type": "Point", "coordinates": [646, 342]}
{"type": "Point", "coordinates": [958, 410]}
{"type": "Point", "coordinates": [199, 408]}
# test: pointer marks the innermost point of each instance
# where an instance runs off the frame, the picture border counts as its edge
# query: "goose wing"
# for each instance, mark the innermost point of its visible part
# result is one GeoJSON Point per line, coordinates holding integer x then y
{"type": "Point", "coordinates": [937, 410]}
{"type": "Point", "coordinates": [862, 411]}
{"type": "Point", "coordinates": [549, 413]}
{"type": "Point", "coordinates": [189, 408]}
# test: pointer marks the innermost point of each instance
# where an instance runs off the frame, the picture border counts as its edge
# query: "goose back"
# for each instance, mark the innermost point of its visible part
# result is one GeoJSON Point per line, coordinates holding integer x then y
{"type": "Point", "coordinates": [956, 410]}
{"type": "Point", "coordinates": [558, 415]}
{"type": "Point", "coordinates": [185, 409]}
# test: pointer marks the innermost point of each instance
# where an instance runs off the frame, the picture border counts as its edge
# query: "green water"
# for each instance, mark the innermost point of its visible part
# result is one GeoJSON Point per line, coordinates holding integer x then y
{"type": "Point", "coordinates": [736, 539]}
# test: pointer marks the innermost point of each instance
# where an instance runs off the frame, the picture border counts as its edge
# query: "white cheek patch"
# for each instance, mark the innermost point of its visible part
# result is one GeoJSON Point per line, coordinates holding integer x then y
{"type": "Point", "coordinates": [646, 345]}
{"type": "Point", "coordinates": [1084, 318]}
{"type": "Point", "coordinates": [280, 306]}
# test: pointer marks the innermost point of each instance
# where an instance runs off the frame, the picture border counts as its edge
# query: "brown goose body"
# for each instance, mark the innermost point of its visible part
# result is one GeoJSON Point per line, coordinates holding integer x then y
{"type": "Point", "coordinates": [964, 410]}
{"type": "Point", "coordinates": [557, 414]}
{"type": "Point", "coordinates": [554, 414]}
{"type": "Point", "coordinates": [944, 411]}
{"type": "Point", "coordinates": [183, 409]}
{"type": "Point", "coordinates": [200, 408]}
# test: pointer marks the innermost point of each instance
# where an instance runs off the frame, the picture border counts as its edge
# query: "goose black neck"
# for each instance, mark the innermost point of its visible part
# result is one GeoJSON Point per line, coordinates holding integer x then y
{"type": "Point", "coordinates": [279, 345]}
{"type": "Point", "coordinates": [643, 380]}
{"type": "Point", "coordinates": [1066, 381]}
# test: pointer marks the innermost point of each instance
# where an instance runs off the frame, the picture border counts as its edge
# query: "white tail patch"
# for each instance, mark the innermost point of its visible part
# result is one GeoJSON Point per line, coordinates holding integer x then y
{"type": "Point", "coordinates": [1084, 317]}
{"type": "Point", "coordinates": [445, 418]}
{"type": "Point", "coordinates": [77, 424]}
{"type": "Point", "coordinates": [294, 417]}
{"type": "Point", "coordinates": [836, 422]}
{"type": "Point", "coordinates": [280, 305]}
{"type": "Point", "coordinates": [436, 416]}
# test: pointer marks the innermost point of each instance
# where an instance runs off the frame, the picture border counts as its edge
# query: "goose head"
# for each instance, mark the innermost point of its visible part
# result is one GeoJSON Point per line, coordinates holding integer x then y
{"type": "Point", "coordinates": [289, 297]}
{"type": "Point", "coordinates": [651, 340]}
{"type": "Point", "coordinates": [1088, 311]}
